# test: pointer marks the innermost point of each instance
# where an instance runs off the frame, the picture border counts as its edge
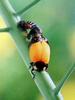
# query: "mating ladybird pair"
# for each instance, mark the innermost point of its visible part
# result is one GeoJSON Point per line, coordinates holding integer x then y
{"type": "Point", "coordinates": [39, 50]}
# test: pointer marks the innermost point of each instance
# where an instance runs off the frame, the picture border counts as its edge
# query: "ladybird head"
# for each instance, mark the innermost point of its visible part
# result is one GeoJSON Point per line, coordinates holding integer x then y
{"type": "Point", "coordinates": [22, 25]}
{"type": "Point", "coordinates": [34, 30]}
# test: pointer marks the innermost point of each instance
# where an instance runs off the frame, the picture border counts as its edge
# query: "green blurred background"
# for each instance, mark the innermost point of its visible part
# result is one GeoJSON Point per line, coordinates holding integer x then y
{"type": "Point", "coordinates": [57, 20]}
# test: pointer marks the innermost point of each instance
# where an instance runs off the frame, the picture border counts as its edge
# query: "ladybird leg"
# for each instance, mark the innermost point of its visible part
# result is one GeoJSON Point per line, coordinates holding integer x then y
{"type": "Point", "coordinates": [31, 65]}
{"type": "Point", "coordinates": [32, 71]}
{"type": "Point", "coordinates": [45, 68]}
{"type": "Point", "coordinates": [29, 44]}
{"type": "Point", "coordinates": [45, 39]}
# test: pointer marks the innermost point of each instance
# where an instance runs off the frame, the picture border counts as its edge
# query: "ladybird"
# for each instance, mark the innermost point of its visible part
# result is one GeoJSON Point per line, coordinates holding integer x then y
{"type": "Point", "coordinates": [39, 53]}
{"type": "Point", "coordinates": [39, 49]}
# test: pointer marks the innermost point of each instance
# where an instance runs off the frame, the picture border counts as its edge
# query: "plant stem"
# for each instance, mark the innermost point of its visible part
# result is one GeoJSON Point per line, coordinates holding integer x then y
{"type": "Point", "coordinates": [47, 86]}
{"type": "Point", "coordinates": [5, 29]}
{"type": "Point", "coordinates": [42, 80]}
{"type": "Point", "coordinates": [60, 85]}
{"type": "Point", "coordinates": [27, 7]}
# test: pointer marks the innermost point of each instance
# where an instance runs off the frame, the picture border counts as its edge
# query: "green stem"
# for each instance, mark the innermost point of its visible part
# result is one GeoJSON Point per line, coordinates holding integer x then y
{"type": "Point", "coordinates": [5, 29]}
{"type": "Point", "coordinates": [42, 80]}
{"type": "Point", "coordinates": [27, 7]}
{"type": "Point", "coordinates": [60, 85]}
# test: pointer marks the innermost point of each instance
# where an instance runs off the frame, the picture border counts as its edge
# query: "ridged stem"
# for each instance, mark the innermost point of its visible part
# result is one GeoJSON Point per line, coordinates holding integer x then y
{"type": "Point", "coordinates": [42, 80]}
{"type": "Point", "coordinates": [66, 76]}
{"type": "Point", "coordinates": [5, 29]}
{"type": "Point", "coordinates": [27, 7]}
